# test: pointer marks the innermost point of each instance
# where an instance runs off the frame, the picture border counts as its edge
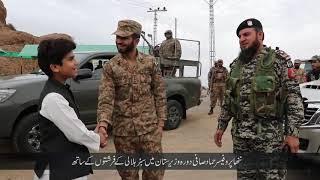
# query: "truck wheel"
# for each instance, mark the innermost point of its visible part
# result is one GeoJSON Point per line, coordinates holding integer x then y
{"type": "Point", "coordinates": [174, 115]}
{"type": "Point", "coordinates": [26, 136]}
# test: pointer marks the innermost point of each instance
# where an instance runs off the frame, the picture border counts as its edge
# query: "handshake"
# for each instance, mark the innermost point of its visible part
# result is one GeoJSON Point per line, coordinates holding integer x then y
{"type": "Point", "coordinates": [102, 131]}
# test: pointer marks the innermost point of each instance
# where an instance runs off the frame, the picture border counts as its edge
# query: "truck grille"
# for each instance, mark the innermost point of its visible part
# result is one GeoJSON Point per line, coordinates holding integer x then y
{"type": "Point", "coordinates": [309, 112]}
{"type": "Point", "coordinates": [312, 86]}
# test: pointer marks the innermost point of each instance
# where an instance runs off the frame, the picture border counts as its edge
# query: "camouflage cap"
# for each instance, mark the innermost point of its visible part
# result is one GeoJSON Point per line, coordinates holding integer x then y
{"type": "Point", "coordinates": [297, 61]}
{"type": "Point", "coordinates": [127, 28]}
{"type": "Point", "coordinates": [315, 58]}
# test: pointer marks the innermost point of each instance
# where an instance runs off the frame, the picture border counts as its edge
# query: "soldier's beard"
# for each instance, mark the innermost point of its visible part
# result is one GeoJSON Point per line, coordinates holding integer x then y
{"type": "Point", "coordinates": [126, 50]}
{"type": "Point", "coordinates": [168, 36]}
{"type": "Point", "coordinates": [297, 67]}
{"type": "Point", "coordinates": [247, 54]}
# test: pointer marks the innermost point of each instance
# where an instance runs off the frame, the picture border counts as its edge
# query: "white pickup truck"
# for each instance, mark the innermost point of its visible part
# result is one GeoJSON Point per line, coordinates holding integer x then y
{"type": "Point", "coordinates": [310, 130]}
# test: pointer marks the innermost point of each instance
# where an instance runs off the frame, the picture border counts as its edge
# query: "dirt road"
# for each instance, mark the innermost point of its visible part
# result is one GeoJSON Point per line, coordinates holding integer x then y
{"type": "Point", "coordinates": [195, 135]}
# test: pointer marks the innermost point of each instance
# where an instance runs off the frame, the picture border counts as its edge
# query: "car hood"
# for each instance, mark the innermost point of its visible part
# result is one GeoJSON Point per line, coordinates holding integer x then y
{"type": "Point", "coordinates": [18, 80]}
{"type": "Point", "coordinates": [311, 90]}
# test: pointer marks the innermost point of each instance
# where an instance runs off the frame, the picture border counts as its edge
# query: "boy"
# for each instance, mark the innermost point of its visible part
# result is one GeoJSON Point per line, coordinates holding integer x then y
{"type": "Point", "coordinates": [63, 135]}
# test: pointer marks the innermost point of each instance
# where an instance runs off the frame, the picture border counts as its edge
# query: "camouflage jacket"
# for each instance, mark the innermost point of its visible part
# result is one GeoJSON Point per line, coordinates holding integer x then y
{"type": "Point", "coordinates": [170, 48]}
{"type": "Point", "coordinates": [217, 75]}
{"type": "Point", "coordinates": [132, 99]}
{"type": "Point", "coordinates": [247, 125]}
{"type": "Point", "coordinates": [299, 75]}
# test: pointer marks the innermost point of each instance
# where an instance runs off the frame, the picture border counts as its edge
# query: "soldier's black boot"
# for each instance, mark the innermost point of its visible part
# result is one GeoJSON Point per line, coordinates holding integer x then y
{"type": "Point", "coordinates": [211, 111]}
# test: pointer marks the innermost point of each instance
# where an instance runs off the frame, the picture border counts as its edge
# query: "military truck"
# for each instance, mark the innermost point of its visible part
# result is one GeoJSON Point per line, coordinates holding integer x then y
{"type": "Point", "coordinates": [19, 95]}
{"type": "Point", "coordinates": [309, 132]}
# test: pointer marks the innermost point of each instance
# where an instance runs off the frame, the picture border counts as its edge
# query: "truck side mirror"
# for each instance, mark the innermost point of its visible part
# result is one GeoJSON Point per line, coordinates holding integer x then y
{"type": "Point", "coordinates": [83, 74]}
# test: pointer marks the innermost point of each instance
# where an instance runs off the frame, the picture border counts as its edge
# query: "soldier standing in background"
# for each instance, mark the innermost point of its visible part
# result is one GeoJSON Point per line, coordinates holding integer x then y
{"type": "Point", "coordinates": [209, 92]}
{"type": "Point", "coordinates": [314, 74]}
{"type": "Point", "coordinates": [259, 94]}
{"type": "Point", "coordinates": [170, 49]}
{"type": "Point", "coordinates": [132, 98]}
{"type": "Point", "coordinates": [299, 74]}
{"type": "Point", "coordinates": [217, 78]}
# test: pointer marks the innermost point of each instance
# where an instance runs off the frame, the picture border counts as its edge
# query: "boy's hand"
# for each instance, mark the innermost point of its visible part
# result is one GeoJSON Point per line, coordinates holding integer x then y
{"type": "Point", "coordinates": [102, 131]}
{"type": "Point", "coordinates": [103, 139]}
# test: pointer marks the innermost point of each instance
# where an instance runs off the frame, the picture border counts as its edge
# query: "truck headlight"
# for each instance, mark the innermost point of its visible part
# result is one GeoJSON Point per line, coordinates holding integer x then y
{"type": "Point", "coordinates": [317, 115]}
{"type": "Point", "coordinates": [6, 94]}
{"type": "Point", "coordinates": [315, 119]}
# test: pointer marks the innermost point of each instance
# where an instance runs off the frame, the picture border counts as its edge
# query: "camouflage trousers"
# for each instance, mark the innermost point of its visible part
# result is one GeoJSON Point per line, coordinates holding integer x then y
{"type": "Point", "coordinates": [147, 143]}
{"type": "Point", "coordinates": [217, 92]}
{"type": "Point", "coordinates": [265, 147]}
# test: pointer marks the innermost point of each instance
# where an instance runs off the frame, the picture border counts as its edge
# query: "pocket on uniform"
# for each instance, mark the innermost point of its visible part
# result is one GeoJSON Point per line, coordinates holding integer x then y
{"type": "Point", "coordinates": [264, 84]}
{"type": "Point", "coordinates": [145, 78]}
{"type": "Point", "coordinates": [264, 95]}
{"type": "Point", "coordinates": [145, 84]}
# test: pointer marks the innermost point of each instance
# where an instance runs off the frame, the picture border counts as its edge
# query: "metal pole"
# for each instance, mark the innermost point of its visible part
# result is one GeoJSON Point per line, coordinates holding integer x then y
{"type": "Point", "coordinates": [143, 33]}
{"type": "Point", "coordinates": [175, 36]}
{"type": "Point", "coordinates": [175, 27]}
{"type": "Point", "coordinates": [212, 48]}
{"type": "Point", "coordinates": [211, 21]}
{"type": "Point", "coordinates": [155, 22]}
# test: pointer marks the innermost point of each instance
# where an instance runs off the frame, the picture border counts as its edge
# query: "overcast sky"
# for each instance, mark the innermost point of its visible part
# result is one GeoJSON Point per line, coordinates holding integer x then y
{"type": "Point", "coordinates": [293, 25]}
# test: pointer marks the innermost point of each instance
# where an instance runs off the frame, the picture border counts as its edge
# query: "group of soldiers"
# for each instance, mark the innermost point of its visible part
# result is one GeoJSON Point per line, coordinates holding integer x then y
{"type": "Point", "coordinates": [218, 74]}
{"type": "Point", "coordinates": [258, 96]}
{"type": "Point", "coordinates": [301, 76]}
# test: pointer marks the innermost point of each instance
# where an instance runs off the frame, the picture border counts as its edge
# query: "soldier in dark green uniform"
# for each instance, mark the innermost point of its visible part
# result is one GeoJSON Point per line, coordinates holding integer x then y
{"type": "Point", "coordinates": [257, 91]}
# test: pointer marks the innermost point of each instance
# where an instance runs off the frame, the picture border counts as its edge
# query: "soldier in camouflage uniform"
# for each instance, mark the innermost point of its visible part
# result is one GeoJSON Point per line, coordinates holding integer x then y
{"type": "Point", "coordinates": [299, 74]}
{"type": "Point", "coordinates": [314, 74]}
{"type": "Point", "coordinates": [257, 90]}
{"type": "Point", "coordinates": [170, 49]}
{"type": "Point", "coordinates": [217, 79]}
{"type": "Point", "coordinates": [132, 100]}
{"type": "Point", "coordinates": [209, 92]}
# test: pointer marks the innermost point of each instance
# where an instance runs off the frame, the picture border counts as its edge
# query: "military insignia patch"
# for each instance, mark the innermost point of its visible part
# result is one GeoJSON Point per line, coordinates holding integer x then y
{"type": "Point", "coordinates": [289, 64]}
{"type": "Point", "coordinates": [283, 55]}
{"type": "Point", "coordinates": [249, 23]}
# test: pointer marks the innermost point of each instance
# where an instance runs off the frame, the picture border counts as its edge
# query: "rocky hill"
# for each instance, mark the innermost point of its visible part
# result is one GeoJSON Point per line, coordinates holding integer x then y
{"type": "Point", "coordinates": [14, 40]}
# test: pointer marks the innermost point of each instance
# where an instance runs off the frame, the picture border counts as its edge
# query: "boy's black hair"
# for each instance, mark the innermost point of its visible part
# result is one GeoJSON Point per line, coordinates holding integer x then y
{"type": "Point", "coordinates": [52, 51]}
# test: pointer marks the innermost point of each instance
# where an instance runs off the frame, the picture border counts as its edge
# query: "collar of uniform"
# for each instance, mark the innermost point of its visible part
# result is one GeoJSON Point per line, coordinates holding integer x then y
{"type": "Point", "coordinates": [139, 58]}
{"type": "Point", "coordinates": [262, 52]}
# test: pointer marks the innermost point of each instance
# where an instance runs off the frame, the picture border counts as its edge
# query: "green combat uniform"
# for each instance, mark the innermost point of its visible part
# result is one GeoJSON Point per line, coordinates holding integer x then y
{"type": "Point", "coordinates": [259, 95]}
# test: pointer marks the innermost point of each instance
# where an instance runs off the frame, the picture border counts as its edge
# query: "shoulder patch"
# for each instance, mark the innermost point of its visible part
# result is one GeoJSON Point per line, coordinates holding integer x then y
{"type": "Point", "coordinates": [282, 55]}
{"type": "Point", "coordinates": [289, 64]}
{"type": "Point", "coordinates": [233, 63]}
